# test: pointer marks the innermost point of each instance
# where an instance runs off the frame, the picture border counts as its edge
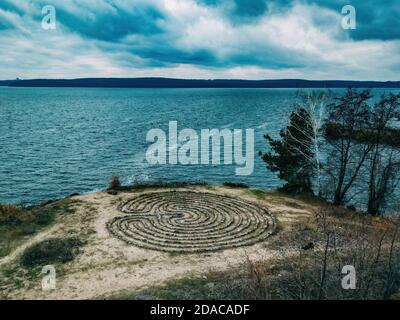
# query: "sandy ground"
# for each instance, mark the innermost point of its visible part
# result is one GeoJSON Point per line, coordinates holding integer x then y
{"type": "Point", "coordinates": [107, 265]}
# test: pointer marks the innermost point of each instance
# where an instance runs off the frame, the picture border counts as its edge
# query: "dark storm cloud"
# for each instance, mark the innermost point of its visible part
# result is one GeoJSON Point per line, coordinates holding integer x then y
{"type": "Point", "coordinates": [168, 56]}
{"type": "Point", "coordinates": [216, 34]}
{"type": "Point", "coordinates": [11, 7]}
{"type": "Point", "coordinates": [115, 24]}
{"type": "Point", "coordinates": [375, 19]}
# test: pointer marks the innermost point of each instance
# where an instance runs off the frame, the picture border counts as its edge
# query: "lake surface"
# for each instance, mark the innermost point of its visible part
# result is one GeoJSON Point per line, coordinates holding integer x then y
{"type": "Point", "coordinates": [58, 141]}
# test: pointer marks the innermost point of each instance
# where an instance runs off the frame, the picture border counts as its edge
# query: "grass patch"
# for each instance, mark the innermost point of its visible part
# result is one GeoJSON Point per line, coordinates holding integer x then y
{"type": "Point", "coordinates": [258, 193]}
{"type": "Point", "coordinates": [51, 251]}
{"type": "Point", "coordinates": [16, 222]}
{"type": "Point", "coordinates": [235, 185]}
{"type": "Point", "coordinates": [212, 286]}
{"type": "Point", "coordinates": [311, 199]}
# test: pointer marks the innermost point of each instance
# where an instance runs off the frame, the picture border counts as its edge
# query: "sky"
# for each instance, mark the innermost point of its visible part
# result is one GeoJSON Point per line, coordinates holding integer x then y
{"type": "Point", "coordinates": [202, 39]}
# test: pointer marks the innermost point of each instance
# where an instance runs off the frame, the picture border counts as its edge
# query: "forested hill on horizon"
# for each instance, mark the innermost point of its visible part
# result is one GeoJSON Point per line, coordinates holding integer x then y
{"type": "Point", "coordinates": [196, 83]}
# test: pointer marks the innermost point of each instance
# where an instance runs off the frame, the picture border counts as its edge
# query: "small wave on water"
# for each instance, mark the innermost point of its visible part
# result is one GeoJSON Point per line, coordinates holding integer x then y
{"type": "Point", "coordinates": [89, 136]}
{"type": "Point", "coordinates": [135, 179]}
{"type": "Point", "coordinates": [263, 125]}
{"type": "Point", "coordinates": [229, 125]}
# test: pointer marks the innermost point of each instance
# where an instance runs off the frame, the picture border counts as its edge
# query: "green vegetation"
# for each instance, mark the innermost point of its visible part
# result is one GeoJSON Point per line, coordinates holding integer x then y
{"type": "Point", "coordinates": [13, 277]}
{"type": "Point", "coordinates": [257, 192]}
{"type": "Point", "coordinates": [236, 185]}
{"type": "Point", "coordinates": [51, 251]}
{"type": "Point", "coordinates": [290, 155]}
{"type": "Point", "coordinates": [360, 140]}
{"type": "Point", "coordinates": [390, 137]}
{"type": "Point", "coordinates": [16, 222]}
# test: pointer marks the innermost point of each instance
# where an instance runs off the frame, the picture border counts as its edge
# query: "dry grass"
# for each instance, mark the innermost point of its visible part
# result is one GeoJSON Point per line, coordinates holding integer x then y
{"type": "Point", "coordinates": [303, 260]}
{"type": "Point", "coordinates": [11, 214]}
{"type": "Point", "coordinates": [16, 223]}
{"type": "Point", "coordinates": [322, 248]}
{"type": "Point", "coordinates": [310, 264]}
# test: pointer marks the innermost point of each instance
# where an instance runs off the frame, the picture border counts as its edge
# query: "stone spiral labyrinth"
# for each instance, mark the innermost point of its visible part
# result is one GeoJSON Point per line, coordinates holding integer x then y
{"type": "Point", "coordinates": [188, 221]}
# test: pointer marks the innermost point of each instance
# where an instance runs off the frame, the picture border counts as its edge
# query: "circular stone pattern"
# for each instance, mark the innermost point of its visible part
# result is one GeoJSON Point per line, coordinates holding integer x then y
{"type": "Point", "coordinates": [187, 221]}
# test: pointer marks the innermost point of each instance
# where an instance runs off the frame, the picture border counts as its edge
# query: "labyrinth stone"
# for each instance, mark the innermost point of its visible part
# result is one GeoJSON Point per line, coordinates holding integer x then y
{"type": "Point", "coordinates": [187, 221]}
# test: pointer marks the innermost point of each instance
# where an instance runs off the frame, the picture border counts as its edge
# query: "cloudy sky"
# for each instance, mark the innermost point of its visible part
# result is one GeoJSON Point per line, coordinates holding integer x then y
{"type": "Point", "coordinates": [249, 39]}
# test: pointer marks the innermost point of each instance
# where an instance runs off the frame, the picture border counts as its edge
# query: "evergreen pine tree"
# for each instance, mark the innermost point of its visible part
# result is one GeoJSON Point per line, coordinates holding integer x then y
{"type": "Point", "coordinates": [291, 155]}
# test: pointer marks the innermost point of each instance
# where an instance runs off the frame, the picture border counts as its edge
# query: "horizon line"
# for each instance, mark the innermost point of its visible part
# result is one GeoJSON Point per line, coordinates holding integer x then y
{"type": "Point", "coordinates": [196, 79]}
{"type": "Point", "coordinates": [160, 82]}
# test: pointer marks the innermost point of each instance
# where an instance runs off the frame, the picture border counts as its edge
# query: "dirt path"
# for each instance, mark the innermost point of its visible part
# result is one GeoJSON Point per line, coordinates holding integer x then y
{"type": "Point", "coordinates": [18, 251]}
{"type": "Point", "coordinates": [108, 265]}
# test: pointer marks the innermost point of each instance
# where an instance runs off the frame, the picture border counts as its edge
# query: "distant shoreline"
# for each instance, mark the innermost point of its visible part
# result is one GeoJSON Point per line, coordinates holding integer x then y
{"type": "Point", "coordinates": [197, 83]}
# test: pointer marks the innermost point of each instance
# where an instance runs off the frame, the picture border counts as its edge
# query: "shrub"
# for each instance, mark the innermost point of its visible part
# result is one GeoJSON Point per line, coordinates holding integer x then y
{"type": "Point", "coordinates": [115, 183]}
{"type": "Point", "coordinates": [45, 217]}
{"type": "Point", "coordinates": [51, 251]}
{"type": "Point", "coordinates": [236, 185]}
{"type": "Point", "coordinates": [159, 184]}
{"type": "Point", "coordinates": [17, 222]}
{"type": "Point", "coordinates": [11, 214]}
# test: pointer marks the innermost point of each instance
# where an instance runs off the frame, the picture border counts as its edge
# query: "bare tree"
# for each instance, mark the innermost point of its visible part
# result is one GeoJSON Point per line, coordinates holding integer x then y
{"type": "Point", "coordinates": [384, 162]}
{"type": "Point", "coordinates": [347, 119]}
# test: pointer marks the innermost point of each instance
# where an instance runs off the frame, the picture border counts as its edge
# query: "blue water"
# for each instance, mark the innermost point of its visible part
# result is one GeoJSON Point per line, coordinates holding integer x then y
{"type": "Point", "coordinates": [58, 141]}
